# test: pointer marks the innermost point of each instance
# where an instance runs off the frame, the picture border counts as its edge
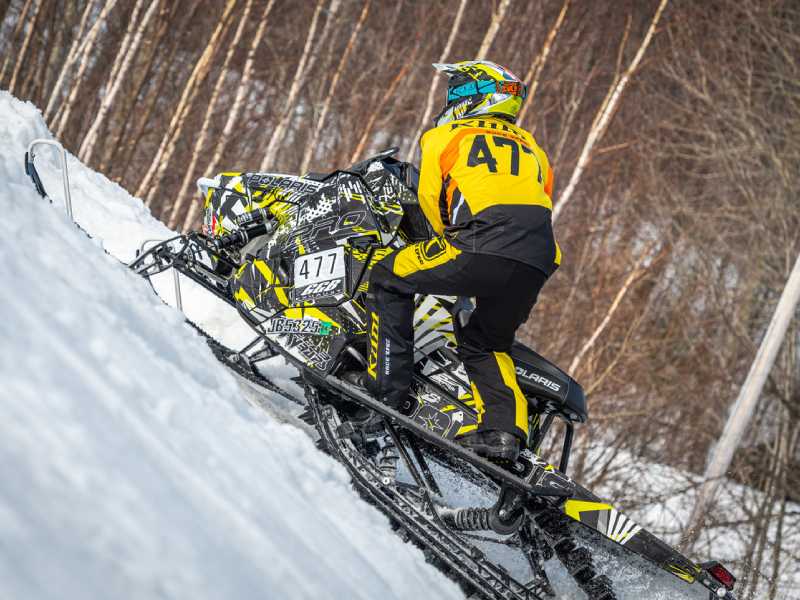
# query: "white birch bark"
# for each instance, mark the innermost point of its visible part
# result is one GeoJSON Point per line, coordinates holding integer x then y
{"type": "Point", "coordinates": [537, 66]}
{"type": "Point", "coordinates": [742, 410]}
{"type": "Point", "coordinates": [320, 121]}
{"type": "Point", "coordinates": [115, 81]}
{"type": "Point", "coordinates": [65, 109]}
{"type": "Point", "coordinates": [23, 52]}
{"type": "Point", "coordinates": [635, 273]}
{"type": "Point", "coordinates": [72, 55]}
{"type": "Point", "coordinates": [201, 139]}
{"type": "Point", "coordinates": [21, 20]}
{"type": "Point", "coordinates": [167, 146]}
{"type": "Point", "coordinates": [122, 51]}
{"type": "Point", "coordinates": [426, 114]}
{"type": "Point", "coordinates": [605, 114]}
{"type": "Point", "coordinates": [494, 26]}
{"type": "Point", "coordinates": [233, 114]}
{"type": "Point", "coordinates": [303, 66]}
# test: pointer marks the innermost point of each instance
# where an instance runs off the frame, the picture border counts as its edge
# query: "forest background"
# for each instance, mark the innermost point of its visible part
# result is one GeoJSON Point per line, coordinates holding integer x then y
{"type": "Point", "coordinates": [673, 127]}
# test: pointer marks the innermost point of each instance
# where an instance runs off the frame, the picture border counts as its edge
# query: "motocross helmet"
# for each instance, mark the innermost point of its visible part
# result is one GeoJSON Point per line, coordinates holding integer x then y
{"type": "Point", "coordinates": [480, 87]}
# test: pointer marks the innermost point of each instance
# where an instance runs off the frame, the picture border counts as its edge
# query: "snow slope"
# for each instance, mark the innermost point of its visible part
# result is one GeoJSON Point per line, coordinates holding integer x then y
{"type": "Point", "coordinates": [130, 464]}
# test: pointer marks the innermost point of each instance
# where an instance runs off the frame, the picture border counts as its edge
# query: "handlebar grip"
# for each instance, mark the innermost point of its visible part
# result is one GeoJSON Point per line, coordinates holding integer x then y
{"type": "Point", "coordinates": [242, 236]}
{"type": "Point", "coordinates": [231, 239]}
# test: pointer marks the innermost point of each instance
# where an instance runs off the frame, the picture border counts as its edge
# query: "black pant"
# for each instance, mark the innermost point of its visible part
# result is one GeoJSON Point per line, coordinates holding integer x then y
{"type": "Point", "coordinates": [505, 291]}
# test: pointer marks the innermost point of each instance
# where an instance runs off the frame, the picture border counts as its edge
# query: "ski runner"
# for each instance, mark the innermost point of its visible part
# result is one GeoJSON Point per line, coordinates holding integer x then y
{"type": "Point", "coordinates": [486, 188]}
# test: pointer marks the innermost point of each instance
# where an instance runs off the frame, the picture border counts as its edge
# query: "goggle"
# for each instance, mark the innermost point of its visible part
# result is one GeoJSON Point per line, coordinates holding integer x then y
{"type": "Point", "coordinates": [486, 86]}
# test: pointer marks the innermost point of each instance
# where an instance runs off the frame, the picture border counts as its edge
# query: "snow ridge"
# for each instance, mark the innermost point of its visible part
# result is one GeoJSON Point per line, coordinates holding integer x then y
{"type": "Point", "coordinates": [131, 464]}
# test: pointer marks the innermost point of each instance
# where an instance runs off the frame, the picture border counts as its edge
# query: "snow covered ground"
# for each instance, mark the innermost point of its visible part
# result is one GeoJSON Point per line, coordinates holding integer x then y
{"type": "Point", "coordinates": [130, 464]}
{"type": "Point", "coordinates": [134, 465]}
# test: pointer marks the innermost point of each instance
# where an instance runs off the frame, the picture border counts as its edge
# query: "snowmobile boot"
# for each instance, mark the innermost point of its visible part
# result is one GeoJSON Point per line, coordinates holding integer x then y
{"type": "Point", "coordinates": [360, 380]}
{"type": "Point", "coordinates": [492, 444]}
{"type": "Point", "coordinates": [361, 417]}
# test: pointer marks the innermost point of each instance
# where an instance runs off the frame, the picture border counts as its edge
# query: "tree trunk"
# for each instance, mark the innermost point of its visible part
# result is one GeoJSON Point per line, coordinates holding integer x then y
{"type": "Point", "coordinates": [154, 93]}
{"type": "Point", "coordinates": [74, 51]}
{"type": "Point", "coordinates": [320, 121]}
{"type": "Point", "coordinates": [83, 57]}
{"type": "Point", "coordinates": [426, 114]}
{"type": "Point", "coordinates": [233, 114]}
{"type": "Point", "coordinates": [200, 141]}
{"type": "Point", "coordinates": [378, 110]}
{"type": "Point", "coordinates": [297, 83]}
{"type": "Point", "coordinates": [636, 272]}
{"type": "Point", "coordinates": [537, 65]}
{"type": "Point", "coordinates": [494, 26]}
{"type": "Point", "coordinates": [45, 48]}
{"type": "Point", "coordinates": [605, 113]}
{"type": "Point", "coordinates": [61, 23]}
{"type": "Point", "coordinates": [721, 456]}
{"type": "Point", "coordinates": [130, 48]}
{"type": "Point", "coordinates": [160, 161]}
{"type": "Point", "coordinates": [9, 52]}
{"type": "Point", "coordinates": [124, 119]}
{"type": "Point", "coordinates": [21, 57]}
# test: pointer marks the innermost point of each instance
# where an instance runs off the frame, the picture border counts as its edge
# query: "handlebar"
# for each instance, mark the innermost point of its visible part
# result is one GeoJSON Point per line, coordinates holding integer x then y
{"type": "Point", "coordinates": [241, 236]}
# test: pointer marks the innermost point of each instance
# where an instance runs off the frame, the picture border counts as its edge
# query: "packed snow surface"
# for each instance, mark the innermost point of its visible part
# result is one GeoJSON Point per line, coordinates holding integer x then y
{"type": "Point", "coordinates": [131, 464]}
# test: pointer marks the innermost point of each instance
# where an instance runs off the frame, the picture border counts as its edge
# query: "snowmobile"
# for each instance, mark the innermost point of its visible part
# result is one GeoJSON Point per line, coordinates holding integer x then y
{"type": "Point", "coordinates": [293, 255]}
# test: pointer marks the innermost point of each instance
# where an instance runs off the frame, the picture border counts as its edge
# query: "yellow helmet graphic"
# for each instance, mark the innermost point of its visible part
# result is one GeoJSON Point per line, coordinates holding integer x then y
{"type": "Point", "coordinates": [480, 87]}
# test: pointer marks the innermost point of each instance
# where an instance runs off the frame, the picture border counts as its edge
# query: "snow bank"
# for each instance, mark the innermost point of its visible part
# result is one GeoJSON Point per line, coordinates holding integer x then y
{"type": "Point", "coordinates": [130, 466]}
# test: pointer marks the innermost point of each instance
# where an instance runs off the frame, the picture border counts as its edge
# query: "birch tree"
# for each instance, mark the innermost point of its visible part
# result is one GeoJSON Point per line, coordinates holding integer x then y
{"type": "Point", "coordinates": [129, 50]}
{"type": "Point", "coordinates": [742, 410]}
{"type": "Point", "coordinates": [75, 50]}
{"type": "Point", "coordinates": [538, 63]}
{"type": "Point", "coordinates": [233, 114]}
{"type": "Point", "coordinates": [303, 67]}
{"type": "Point", "coordinates": [160, 160]}
{"type": "Point", "coordinates": [426, 114]}
{"type": "Point", "coordinates": [65, 109]}
{"type": "Point", "coordinates": [21, 20]}
{"type": "Point", "coordinates": [211, 108]}
{"type": "Point", "coordinates": [146, 75]}
{"type": "Point", "coordinates": [25, 46]}
{"type": "Point", "coordinates": [494, 27]}
{"type": "Point", "coordinates": [636, 272]}
{"type": "Point", "coordinates": [606, 112]}
{"type": "Point", "coordinates": [311, 144]}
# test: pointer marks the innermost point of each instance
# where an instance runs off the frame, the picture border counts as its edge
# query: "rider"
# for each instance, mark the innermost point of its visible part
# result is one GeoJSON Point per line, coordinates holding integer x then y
{"type": "Point", "coordinates": [486, 188]}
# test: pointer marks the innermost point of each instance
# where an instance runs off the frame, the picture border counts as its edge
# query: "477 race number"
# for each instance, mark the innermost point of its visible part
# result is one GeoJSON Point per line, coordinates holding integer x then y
{"type": "Point", "coordinates": [319, 266]}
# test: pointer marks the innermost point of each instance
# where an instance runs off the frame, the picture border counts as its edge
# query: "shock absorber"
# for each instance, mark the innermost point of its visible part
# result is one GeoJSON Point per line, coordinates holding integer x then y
{"type": "Point", "coordinates": [505, 517]}
{"type": "Point", "coordinates": [467, 519]}
{"type": "Point", "coordinates": [387, 460]}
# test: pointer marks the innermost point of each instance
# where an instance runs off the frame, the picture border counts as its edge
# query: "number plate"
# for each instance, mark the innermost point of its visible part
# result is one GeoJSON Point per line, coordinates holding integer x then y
{"type": "Point", "coordinates": [320, 266]}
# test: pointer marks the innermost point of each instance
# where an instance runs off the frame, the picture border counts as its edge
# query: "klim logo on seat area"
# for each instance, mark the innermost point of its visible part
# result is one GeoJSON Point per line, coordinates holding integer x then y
{"type": "Point", "coordinates": [530, 376]}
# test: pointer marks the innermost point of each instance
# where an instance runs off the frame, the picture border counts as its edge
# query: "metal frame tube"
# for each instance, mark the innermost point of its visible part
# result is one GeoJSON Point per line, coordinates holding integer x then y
{"type": "Point", "coordinates": [176, 281]}
{"type": "Point", "coordinates": [64, 171]}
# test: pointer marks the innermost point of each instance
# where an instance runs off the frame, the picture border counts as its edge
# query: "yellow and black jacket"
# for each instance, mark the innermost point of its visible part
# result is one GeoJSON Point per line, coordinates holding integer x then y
{"type": "Point", "coordinates": [486, 186]}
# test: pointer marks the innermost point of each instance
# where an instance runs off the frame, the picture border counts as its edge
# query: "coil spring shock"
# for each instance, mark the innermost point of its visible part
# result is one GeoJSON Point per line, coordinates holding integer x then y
{"type": "Point", "coordinates": [468, 519]}
{"type": "Point", "coordinates": [387, 460]}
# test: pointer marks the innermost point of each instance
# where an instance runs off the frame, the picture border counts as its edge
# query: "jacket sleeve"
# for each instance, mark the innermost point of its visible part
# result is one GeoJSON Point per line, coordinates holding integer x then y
{"type": "Point", "coordinates": [430, 180]}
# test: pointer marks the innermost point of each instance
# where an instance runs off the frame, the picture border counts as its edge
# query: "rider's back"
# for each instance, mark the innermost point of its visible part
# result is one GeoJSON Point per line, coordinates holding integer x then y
{"type": "Point", "coordinates": [486, 185]}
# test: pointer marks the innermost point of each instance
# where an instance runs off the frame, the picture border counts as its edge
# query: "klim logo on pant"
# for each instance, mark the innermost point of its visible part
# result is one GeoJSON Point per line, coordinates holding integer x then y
{"type": "Point", "coordinates": [372, 366]}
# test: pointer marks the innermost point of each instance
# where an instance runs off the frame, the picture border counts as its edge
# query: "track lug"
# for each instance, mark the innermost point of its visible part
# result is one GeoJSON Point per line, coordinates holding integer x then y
{"type": "Point", "coordinates": [346, 430]}
{"type": "Point", "coordinates": [307, 416]}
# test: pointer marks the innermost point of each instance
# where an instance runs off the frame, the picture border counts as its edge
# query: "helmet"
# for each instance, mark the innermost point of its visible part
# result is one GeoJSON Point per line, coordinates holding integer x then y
{"type": "Point", "coordinates": [480, 87]}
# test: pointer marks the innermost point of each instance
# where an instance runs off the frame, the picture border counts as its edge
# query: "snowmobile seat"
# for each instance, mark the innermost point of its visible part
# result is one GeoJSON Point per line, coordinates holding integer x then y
{"type": "Point", "coordinates": [548, 388]}
{"type": "Point", "coordinates": [314, 176]}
